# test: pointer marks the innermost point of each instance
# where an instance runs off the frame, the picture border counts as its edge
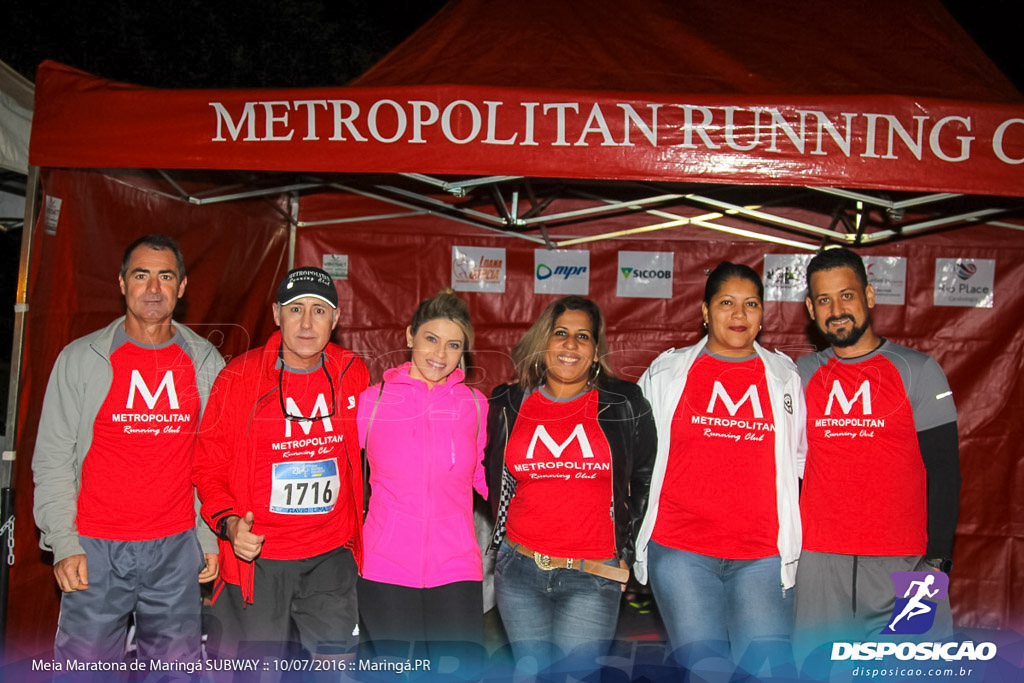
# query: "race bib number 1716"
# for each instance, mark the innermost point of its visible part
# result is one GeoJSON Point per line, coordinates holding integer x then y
{"type": "Point", "coordinates": [307, 488]}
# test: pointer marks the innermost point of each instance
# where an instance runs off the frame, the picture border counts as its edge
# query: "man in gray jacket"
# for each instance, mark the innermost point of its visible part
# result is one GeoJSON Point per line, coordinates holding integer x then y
{"type": "Point", "coordinates": [112, 463]}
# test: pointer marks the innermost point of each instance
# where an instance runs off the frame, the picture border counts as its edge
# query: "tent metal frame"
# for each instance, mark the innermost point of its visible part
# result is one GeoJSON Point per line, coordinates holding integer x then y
{"type": "Point", "coordinates": [507, 216]}
{"type": "Point", "coordinates": [513, 219]}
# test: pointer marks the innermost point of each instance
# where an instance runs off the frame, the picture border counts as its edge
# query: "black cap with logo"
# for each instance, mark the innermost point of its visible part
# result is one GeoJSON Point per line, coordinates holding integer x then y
{"type": "Point", "coordinates": [303, 282]}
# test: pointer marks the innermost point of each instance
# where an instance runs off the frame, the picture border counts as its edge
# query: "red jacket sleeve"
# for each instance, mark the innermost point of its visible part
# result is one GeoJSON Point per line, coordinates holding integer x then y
{"type": "Point", "coordinates": [221, 439]}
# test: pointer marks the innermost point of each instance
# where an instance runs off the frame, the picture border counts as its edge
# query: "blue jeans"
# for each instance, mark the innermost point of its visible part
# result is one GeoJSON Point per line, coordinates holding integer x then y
{"type": "Point", "coordinates": [561, 617]}
{"type": "Point", "coordinates": [708, 604]}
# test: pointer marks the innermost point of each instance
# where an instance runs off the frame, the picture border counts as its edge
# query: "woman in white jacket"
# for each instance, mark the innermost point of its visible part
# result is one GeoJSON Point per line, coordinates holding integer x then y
{"type": "Point", "coordinates": [721, 535]}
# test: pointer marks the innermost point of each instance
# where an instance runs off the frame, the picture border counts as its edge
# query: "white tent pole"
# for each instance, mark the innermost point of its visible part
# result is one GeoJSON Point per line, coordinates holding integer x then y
{"type": "Point", "coordinates": [7, 503]}
{"type": "Point", "coordinates": [293, 226]}
{"type": "Point", "coordinates": [362, 219]}
{"type": "Point", "coordinates": [970, 217]}
{"type": "Point", "coordinates": [885, 203]}
{"type": "Point", "coordinates": [728, 208]}
{"type": "Point", "coordinates": [1004, 224]}
{"type": "Point", "coordinates": [458, 188]}
{"type": "Point", "coordinates": [456, 219]}
{"type": "Point", "coordinates": [610, 206]}
{"type": "Point", "coordinates": [20, 311]}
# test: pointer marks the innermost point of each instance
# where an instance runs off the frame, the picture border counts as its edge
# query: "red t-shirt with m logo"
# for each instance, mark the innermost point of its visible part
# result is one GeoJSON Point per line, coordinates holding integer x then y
{"type": "Point", "coordinates": [136, 478]}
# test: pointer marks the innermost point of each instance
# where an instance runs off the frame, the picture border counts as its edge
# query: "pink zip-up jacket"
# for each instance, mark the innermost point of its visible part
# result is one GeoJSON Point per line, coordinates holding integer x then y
{"type": "Point", "coordinates": [425, 453]}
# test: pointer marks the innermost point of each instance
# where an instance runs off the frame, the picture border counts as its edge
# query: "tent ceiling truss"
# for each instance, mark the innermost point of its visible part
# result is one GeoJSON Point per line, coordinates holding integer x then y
{"type": "Point", "coordinates": [803, 218]}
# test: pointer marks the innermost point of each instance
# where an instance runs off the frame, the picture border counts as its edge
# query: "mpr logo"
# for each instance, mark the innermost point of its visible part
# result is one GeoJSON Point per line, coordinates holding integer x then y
{"type": "Point", "coordinates": [914, 613]}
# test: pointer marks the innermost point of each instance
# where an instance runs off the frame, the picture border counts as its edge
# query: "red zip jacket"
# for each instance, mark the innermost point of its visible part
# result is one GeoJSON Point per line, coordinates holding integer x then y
{"type": "Point", "coordinates": [223, 470]}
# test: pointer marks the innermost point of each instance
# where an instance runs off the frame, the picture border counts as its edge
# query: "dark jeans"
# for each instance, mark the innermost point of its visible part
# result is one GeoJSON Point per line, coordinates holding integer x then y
{"type": "Point", "coordinates": [561, 617]}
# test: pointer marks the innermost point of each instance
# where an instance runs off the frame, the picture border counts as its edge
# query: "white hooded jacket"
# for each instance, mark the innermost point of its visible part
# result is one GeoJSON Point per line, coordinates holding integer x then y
{"type": "Point", "coordinates": [663, 384]}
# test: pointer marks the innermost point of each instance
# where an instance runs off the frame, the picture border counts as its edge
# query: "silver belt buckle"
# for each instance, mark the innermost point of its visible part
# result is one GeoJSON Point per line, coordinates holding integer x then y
{"type": "Point", "coordinates": [542, 561]}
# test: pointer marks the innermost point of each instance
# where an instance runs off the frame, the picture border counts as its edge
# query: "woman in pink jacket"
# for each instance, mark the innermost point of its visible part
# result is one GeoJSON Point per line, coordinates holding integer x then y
{"type": "Point", "coordinates": [424, 432]}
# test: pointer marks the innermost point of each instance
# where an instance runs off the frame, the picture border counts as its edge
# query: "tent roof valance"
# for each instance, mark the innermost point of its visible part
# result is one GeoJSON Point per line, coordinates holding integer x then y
{"type": "Point", "coordinates": [889, 120]}
{"type": "Point", "coordinates": [877, 142]}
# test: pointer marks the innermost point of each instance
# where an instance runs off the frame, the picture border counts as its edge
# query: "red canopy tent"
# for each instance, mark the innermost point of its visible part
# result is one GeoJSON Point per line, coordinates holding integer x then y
{"type": "Point", "coordinates": [674, 127]}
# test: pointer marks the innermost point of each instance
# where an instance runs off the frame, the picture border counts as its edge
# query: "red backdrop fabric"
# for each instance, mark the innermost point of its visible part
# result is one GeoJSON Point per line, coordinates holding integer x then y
{"type": "Point", "coordinates": [236, 254]}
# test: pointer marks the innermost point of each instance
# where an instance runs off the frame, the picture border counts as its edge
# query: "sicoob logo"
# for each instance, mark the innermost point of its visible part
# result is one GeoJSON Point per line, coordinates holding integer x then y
{"type": "Point", "coordinates": [646, 273]}
{"type": "Point", "coordinates": [914, 612]}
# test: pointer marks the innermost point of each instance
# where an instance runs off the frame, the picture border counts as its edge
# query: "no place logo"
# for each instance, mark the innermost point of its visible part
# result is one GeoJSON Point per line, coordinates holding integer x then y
{"type": "Point", "coordinates": [917, 596]}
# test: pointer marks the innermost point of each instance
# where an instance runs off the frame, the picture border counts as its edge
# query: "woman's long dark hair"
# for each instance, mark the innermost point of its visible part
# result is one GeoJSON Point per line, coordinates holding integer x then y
{"type": "Point", "coordinates": [528, 354]}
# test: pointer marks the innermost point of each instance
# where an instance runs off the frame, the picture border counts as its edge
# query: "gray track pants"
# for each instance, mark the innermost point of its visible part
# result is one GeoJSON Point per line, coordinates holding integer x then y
{"type": "Point", "coordinates": [154, 580]}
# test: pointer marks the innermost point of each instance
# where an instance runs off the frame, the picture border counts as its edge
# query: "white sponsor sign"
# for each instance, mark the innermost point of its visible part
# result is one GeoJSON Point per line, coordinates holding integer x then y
{"type": "Point", "coordinates": [644, 274]}
{"type": "Point", "coordinates": [336, 265]}
{"type": "Point", "coordinates": [785, 277]}
{"type": "Point", "coordinates": [52, 215]}
{"type": "Point", "coordinates": [888, 275]}
{"type": "Point", "coordinates": [478, 269]}
{"type": "Point", "coordinates": [964, 282]}
{"type": "Point", "coordinates": [561, 271]}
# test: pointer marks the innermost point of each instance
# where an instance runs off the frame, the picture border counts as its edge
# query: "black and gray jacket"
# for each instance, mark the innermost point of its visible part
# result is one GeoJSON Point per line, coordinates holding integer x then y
{"type": "Point", "coordinates": [625, 419]}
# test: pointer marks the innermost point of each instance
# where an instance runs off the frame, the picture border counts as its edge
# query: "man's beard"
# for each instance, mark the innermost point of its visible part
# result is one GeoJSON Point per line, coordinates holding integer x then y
{"type": "Point", "coordinates": [847, 338]}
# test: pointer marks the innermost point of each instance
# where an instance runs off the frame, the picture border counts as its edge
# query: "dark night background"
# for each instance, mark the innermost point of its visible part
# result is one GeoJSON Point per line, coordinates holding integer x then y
{"type": "Point", "coordinates": [211, 44]}
{"type": "Point", "coordinates": [292, 43]}
{"type": "Point", "coordinates": [275, 43]}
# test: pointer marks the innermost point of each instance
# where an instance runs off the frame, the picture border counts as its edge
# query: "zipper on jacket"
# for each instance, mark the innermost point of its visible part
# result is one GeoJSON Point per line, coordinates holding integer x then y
{"type": "Point", "coordinates": [611, 464]}
{"type": "Point", "coordinates": [426, 498]}
{"type": "Point", "coordinates": [501, 482]}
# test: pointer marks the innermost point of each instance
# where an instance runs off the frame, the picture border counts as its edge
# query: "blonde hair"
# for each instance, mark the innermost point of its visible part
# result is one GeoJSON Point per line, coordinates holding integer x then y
{"type": "Point", "coordinates": [444, 305]}
{"type": "Point", "coordinates": [528, 354]}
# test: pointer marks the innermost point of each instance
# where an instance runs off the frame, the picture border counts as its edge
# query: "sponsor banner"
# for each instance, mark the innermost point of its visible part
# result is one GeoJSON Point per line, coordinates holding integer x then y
{"type": "Point", "coordinates": [336, 265]}
{"type": "Point", "coordinates": [561, 271]}
{"type": "Point", "coordinates": [893, 142]}
{"type": "Point", "coordinates": [888, 275]}
{"type": "Point", "coordinates": [785, 277]}
{"type": "Point", "coordinates": [52, 214]}
{"type": "Point", "coordinates": [644, 275]}
{"type": "Point", "coordinates": [964, 282]}
{"type": "Point", "coordinates": [478, 269]}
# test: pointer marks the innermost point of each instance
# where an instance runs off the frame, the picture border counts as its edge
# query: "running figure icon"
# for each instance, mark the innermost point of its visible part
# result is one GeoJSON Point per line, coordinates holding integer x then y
{"type": "Point", "coordinates": [915, 606]}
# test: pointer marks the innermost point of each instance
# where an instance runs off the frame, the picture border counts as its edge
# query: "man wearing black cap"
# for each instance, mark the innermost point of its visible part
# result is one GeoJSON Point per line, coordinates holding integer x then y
{"type": "Point", "coordinates": [279, 477]}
